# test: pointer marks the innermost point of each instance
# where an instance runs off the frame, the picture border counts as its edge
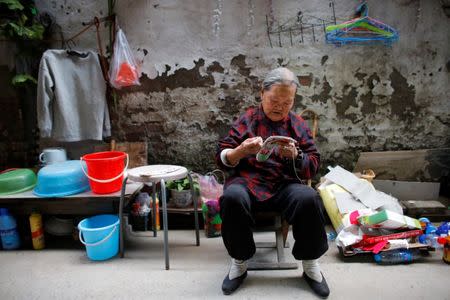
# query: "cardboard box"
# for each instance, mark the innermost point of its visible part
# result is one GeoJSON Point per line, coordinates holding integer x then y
{"type": "Point", "coordinates": [329, 202]}
{"type": "Point", "coordinates": [418, 199]}
{"type": "Point", "coordinates": [390, 220]}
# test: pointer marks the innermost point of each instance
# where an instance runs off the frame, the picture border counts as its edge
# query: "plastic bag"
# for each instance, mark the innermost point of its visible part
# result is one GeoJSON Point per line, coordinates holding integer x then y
{"type": "Point", "coordinates": [211, 217]}
{"type": "Point", "coordinates": [210, 192]}
{"type": "Point", "coordinates": [210, 188]}
{"type": "Point", "coordinates": [124, 70]}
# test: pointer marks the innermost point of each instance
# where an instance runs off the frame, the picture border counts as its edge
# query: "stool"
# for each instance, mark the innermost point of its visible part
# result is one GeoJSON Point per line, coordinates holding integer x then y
{"type": "Point", "coordinates": [157, 175]}
{"type": "Point", "coordinates": [280, 228]}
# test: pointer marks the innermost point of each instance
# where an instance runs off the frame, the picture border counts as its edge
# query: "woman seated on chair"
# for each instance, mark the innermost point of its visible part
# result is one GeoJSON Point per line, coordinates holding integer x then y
{"type": "Point", "coordinates": [275, 182]}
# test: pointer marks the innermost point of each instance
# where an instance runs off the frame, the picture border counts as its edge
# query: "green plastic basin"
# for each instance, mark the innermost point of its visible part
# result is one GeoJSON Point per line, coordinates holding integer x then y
{"type": "Point", "coordinates": [17, 181]}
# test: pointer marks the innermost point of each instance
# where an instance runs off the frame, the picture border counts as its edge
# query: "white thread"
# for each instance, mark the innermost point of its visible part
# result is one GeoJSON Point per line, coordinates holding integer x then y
{"type": "Point", "coordinates": [293, 164]}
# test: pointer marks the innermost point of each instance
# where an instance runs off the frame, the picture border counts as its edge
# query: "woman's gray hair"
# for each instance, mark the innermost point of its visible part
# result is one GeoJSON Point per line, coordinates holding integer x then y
{"type": "Point", "coordinates": [280, 76]}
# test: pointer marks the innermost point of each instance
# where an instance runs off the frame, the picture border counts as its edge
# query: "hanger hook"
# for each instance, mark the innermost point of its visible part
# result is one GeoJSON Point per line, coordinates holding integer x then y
{"type": "Point", "coordinates": [96, 22]}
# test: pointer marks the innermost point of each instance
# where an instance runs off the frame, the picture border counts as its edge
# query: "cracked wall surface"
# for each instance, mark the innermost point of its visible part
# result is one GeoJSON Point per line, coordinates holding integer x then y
{"type": "Point", "coordinates": [203, 61]}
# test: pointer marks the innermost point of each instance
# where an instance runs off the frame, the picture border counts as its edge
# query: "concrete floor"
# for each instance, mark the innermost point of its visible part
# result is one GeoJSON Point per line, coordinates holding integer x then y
{"type": "Point", "coordinates": [197, 273]}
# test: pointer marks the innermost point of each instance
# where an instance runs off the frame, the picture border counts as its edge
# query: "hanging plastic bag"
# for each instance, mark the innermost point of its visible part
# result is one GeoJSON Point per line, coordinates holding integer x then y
{"type": "Point", "coordinates": [124, 70]}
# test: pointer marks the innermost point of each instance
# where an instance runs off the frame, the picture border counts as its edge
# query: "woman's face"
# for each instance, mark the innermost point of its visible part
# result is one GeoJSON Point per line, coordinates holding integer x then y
{"type": "Point", "coordinates": [278, 101]}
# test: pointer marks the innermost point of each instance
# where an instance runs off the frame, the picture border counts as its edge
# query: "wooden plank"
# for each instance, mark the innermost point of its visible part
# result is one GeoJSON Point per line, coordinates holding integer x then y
{"type": "Point", "coordinates": [83, 203]}
{"type": "Point", "coordinates": [410, 204]}
{"type": "Point", "coordinates": [408, 190]}
{"type": "Point", "coordinates": [137, 152]}
{"type": "Point", "coordinates": [255, 265]}
{"type": "Point", "coordinates": [415, 165]}
{"type": "Point", "coordinates": [417, 208]}
{"type": "Point", "coordinates": [64, 207]}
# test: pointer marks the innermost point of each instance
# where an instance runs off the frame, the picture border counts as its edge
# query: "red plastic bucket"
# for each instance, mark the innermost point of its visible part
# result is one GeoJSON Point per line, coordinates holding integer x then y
{"type": "Point", "coordinates": [105, 170]}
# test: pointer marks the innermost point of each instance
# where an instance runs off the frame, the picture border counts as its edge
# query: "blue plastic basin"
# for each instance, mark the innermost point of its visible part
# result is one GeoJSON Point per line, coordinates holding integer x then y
{"type": "Point", "coordinates": [61, 179]}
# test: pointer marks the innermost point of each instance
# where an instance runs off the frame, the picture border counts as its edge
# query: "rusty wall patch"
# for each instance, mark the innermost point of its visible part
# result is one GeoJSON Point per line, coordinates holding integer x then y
{"type": "Point", "coordinates": [219, 127]}
{"type": "Point", "coordinates": [368, 106]}
{"type": "Point", "coordinates": [215, 67]}
{"type": "Point", "coordinates": [239, 62]}
{"type": "Point", "coordinates": [360, 75]}
{"type": "Point", "coordinates": [402, 99]}
{"type": "Point", "coordinates": [324, 94]}
{"type": "Point", "coordinates": [348, 99]}
{"type": "Point", "coordinates": [298, 105]}
{"type": "Point", "coordinates": [305, 80]}
{"type": "Point", "coordinates": [183, 78]}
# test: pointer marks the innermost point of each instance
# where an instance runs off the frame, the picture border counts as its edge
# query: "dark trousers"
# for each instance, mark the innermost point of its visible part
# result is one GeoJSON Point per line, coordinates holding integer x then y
{"type": "Point", "coordinates": [299, 204]}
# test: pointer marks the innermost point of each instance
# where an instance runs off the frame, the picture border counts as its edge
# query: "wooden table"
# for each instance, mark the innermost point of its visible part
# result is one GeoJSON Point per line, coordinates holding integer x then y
{"type": "Point", "coordinates": [86, 203]}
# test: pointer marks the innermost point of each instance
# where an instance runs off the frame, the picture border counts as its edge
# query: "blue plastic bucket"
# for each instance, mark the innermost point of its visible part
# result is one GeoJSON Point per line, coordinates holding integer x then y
{"type": "Point", "coordinates": [100, 235]}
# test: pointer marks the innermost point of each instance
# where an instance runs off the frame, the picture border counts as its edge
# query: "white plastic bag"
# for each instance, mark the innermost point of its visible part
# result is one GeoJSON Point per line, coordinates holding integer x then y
{"type": "Point", "coordinates": [124, 70]}
{"type": "Point", "coordinates": [210, 188]}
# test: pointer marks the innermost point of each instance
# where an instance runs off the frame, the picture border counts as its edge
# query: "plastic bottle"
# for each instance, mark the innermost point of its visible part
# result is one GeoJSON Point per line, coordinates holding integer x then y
{"type": "Point", "coordinates": [8, 230]}
{"type": "Point", "coordinates": [158, 226]}
{"type": "Point", "coordinates": [37, 231]}
{"type": "Point", "coordinates": [446, 252]}
{"type": "Point", "coordinates": [430, 239]}
{"type": "Point", "coordinates": [331, 236]}
{"type": "Point", "coordinates": [397, 256]}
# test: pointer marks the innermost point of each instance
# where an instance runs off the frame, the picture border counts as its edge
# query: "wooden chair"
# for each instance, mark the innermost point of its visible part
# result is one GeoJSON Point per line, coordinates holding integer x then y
{"type": "Point", "coordinates": [279, 226]}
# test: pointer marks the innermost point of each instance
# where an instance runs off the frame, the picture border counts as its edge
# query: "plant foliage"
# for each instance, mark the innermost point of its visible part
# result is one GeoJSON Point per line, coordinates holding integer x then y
{"type": "Point", "coordinates": [18, 20]}
{"type": "Point", "coordinates": [182, 184]}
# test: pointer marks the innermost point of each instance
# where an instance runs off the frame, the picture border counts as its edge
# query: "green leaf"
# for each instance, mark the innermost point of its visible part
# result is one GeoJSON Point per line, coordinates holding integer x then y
{"type": "Point", "coordinates": [23, 18]}
{"type": "Point", "coordinates": [12, 4]}
{"type": "Point", "coordinates": [34, 32]}
{"type": "Point", "coordinates": [23, 78]}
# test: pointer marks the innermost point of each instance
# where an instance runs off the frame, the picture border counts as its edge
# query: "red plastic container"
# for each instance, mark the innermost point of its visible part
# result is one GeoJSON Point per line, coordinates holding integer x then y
{"type": "Point", "coordinates": [105, 170]}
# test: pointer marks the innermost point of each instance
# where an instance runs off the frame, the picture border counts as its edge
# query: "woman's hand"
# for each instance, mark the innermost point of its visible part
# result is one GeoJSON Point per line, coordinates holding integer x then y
{"type": "Point", "coordinates": [251, 145]}
{"type": "Point", "coordinates": [248, 147]}
{"type": "Point", "coordinates": [288, 150]}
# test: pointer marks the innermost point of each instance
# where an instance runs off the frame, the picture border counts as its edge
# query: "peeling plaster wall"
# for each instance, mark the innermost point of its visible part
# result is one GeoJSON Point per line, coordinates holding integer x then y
{"type": "Point", "coordinates": [202, 62]}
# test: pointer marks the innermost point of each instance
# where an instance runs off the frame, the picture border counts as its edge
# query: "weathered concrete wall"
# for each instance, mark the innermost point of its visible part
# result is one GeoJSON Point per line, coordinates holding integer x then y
{"type": "Point", "coordinates": [202, 62]}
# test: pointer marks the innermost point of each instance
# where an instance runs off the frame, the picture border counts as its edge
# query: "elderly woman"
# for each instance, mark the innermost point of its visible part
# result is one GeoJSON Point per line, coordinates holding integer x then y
{"type": "Point", "coordinates": [276, 183]}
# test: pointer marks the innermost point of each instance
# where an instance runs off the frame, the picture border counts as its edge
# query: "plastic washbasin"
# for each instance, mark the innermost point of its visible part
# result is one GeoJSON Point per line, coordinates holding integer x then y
{"type": "Point", "coordinates": [16, 181]}
{"type": "Point", "coordinates": [61, 179]}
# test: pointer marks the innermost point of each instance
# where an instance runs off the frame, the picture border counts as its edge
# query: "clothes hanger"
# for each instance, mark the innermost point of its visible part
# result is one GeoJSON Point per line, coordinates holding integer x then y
{"type": "Point", "coordinates": [361, 30]}
{"type": "Point", "coordinates": [71, 43]}
{"type": "Point", "coordinates": [76, 53]}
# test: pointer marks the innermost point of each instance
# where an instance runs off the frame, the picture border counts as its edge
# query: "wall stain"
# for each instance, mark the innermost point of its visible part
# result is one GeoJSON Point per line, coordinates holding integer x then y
{"type": "Point", "coordinates": [182, 78]}
{"type": "Point", "coordinates": [298, 105]}
{"type": "Point", "coordinates": [239, 62]}
{"type": "Point", "coordinates": [324, 94]}
{"type": "Point", "coordinates": [215, 67]}
{"type": "Point", "coordinates": [348, 99]}
{"type": "Point", "coordinates": [218, 126]}
{"type": "Point", "coordinates": [360, 75]}
{"type": "Point", "coordinates": [368, 106]}
{"type": "Point", "coordinates": [305, 80]}
{"type": "Point", "coordinates": [402, 99]}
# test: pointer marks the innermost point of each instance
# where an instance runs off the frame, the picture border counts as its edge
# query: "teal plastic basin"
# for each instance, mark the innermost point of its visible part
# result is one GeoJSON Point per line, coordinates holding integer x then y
{"type": "Point", "coordinates": [61, 179]}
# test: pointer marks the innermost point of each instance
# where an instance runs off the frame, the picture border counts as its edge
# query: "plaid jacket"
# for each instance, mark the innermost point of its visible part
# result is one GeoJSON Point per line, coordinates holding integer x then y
{"type": "Point", "coordinates": [264, 178]}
